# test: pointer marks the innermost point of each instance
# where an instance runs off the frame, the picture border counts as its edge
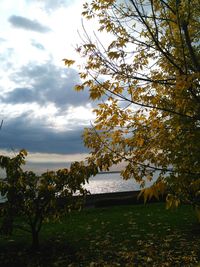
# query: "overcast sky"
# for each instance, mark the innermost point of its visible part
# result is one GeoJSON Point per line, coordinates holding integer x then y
{"type": "Point", "coordinates": [40, 110]}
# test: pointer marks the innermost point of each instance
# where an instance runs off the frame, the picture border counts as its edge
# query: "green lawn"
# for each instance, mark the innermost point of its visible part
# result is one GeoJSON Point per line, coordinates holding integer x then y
{"type": "Point", "coordinates": [137, 235]}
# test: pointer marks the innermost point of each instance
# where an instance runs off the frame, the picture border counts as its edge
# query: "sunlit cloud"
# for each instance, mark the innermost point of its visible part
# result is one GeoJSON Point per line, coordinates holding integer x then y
{"type": "Point", "coordinates": [40, 110]}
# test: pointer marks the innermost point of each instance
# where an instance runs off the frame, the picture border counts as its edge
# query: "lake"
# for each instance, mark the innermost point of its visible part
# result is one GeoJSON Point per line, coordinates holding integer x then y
{"type": "Point", "coordinates": [111, 182]}
{"type": "Point", "coordinates": [108, 183]}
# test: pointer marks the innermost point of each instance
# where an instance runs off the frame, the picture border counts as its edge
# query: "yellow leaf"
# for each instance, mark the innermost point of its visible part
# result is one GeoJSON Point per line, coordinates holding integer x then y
{"type": "Point", "coordinates": [79, 87]}
{"type": "Point", "coordinates": [68, 62]}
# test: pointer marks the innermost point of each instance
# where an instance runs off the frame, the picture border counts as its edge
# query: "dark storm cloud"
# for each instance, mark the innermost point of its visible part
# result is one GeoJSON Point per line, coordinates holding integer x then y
{"type": "Point", "coordinates": [46, 83]}
{"type": "Point", "coordinates": [27, 24]}
{"type": "Point", "coordinates": [20, 95]}
{"type": "Point", "coordinates": [24, 132]}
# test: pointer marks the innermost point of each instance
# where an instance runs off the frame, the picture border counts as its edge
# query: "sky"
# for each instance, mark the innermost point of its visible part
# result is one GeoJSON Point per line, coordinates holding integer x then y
{"type": "Point", "coordinates": [40, 110]}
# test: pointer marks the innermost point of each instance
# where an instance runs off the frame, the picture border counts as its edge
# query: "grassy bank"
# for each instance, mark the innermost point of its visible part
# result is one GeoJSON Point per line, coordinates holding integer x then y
{"type": "Point", "coordinates": [134, 235]}
{"type": "Point", "coordinates": [118, 198]}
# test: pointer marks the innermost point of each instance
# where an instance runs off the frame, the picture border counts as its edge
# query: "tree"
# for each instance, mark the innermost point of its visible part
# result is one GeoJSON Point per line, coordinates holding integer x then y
{"type": "Point", "coordinates": [38, 198]}
{"type": "Point", "coordinates": [147, 83]}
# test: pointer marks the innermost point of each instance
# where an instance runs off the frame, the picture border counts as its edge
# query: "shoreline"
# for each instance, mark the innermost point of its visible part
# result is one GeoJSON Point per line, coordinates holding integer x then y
{"type": "Point", "coordinates": [113, 199]}
{"type": "Point", "coordinates": [117, 198]}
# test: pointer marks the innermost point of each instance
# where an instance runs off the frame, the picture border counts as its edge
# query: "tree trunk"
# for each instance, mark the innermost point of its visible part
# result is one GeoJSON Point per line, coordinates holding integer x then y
{"type": "Point", "coordinates": [35, 240]}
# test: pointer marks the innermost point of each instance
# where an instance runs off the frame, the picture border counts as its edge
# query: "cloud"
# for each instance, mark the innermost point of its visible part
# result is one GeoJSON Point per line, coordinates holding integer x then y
{"type": "Point", "coordinates": [20, 95]}
{"type": "Point", "coordinates": [43, 113]}
{"type": "Point", "coordinates": [37, 45]}
{"type": "Point", "coordinates": [42, 167]}
{"type": "Point", "coordinates": [6, 59]}
{"type": "Point", "coordinates": [52, 5]}
{"type": "Point", "coordinates": [46, 83]}
{"type": "Point", "coordinates": [27, 24]}
{"type": "Point", "coordinates": [2, 40]}
{"type": "Point", "coordinates": [25, 132]}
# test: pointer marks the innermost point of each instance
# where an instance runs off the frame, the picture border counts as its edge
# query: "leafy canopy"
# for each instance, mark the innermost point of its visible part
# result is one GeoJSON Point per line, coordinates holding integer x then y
{"type": "Point", "coordinates": [146, 80]}
{"type": "Point", "coordinates": [39, 198]}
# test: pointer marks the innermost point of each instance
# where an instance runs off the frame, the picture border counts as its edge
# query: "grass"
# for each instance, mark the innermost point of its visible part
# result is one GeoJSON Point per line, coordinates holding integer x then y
{"type": "Point", "coordinates": [136, 235]}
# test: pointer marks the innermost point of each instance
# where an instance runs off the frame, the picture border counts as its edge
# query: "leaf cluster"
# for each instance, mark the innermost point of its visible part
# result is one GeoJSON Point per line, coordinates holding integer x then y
{"type": "Point", "coordinates": [39, 198]}
{"type": "Point", "coordinates": [147, 83]}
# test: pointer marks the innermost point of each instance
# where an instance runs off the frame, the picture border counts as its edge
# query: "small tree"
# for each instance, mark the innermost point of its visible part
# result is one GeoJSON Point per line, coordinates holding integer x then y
{"type": "Point", "coordinates": [40, 197]}
{"type": "Point", "coordinates": [148, 76]}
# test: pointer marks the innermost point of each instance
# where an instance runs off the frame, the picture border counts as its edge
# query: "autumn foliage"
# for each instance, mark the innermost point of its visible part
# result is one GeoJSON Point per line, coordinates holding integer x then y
{"type": "Point", "coordinates": [146, 79]}
{"type": "Point", "coordinates": [39, 198]}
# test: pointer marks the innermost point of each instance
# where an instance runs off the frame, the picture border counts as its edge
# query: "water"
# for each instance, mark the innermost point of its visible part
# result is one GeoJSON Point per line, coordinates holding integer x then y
{"type": "Point", "coordinates": [111, 182]}
{"type": "Point", "coordinates": [108, 183]}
